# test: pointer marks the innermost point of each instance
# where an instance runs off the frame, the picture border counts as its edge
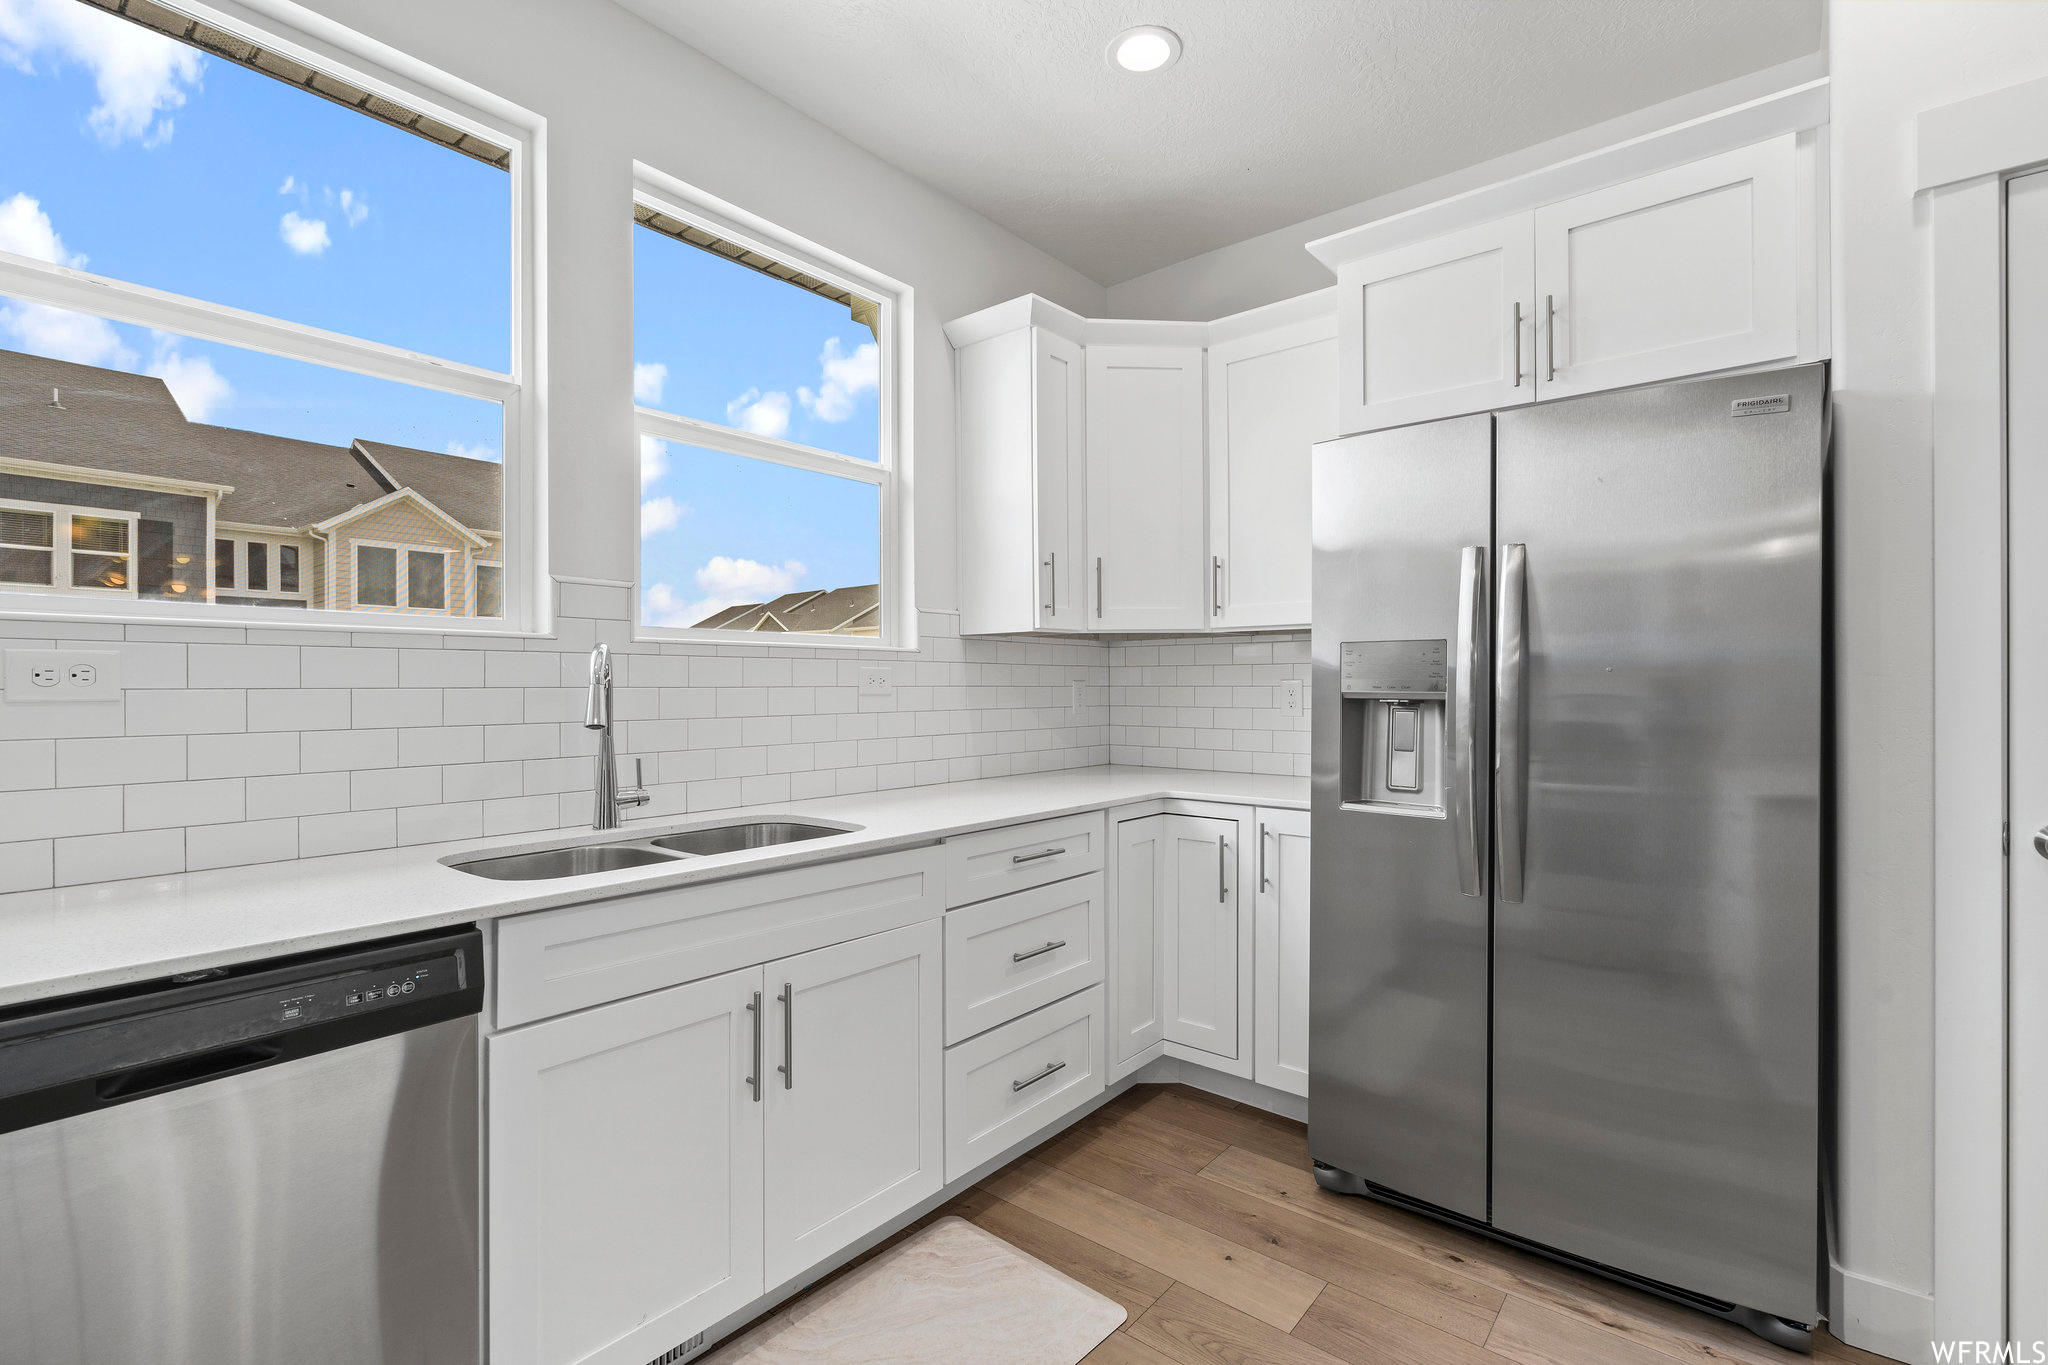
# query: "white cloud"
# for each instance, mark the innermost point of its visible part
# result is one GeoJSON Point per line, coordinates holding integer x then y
{"type": "Point", "coordinates": [653, 460]}
{"type": "Point", "coordinates": [648, 379]}
{"type": "Point", "coordinates": [764, 414]}
{"type": "Point", "coordinates": [846, 377]}
{"type": "Point", "coordinates": [290, 185]}
{"type": "Point", "coordinates": [25, 230]}
{"type": "Point", "coordinates": [140, 76]}
{"type": "Point", "coordinates": [472, 452]}
{"type": "Point", "coordinates": [722, 582]}
{"type": "Point", "coordinates": [353, 208]}
{"type": "Point", "coordinates": [200, 389]}
{"type": "Point", "coordinates": [660, 514]}
{"type": "Point", "coordinates": [305, 236]}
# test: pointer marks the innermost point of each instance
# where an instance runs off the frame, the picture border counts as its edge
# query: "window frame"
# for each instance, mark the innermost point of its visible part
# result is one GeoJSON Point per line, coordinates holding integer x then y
{"type": "Point", "coordinates": [241, 539]}
{"type": "Point", "coordinates": [326, 46]}
{"type": "Point", "coordinates": [401, 579]}
{"type": "Point", "coordinates": [891, 469]}
{"type": "Point", "coordinates": [61, 514]}
{"type": "Point", "coordinates": [476, 565]}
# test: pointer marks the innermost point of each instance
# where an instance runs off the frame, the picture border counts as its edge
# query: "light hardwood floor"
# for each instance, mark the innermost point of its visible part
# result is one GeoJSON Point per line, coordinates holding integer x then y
{"type": "Point", "coordinates": [1201, 1218]}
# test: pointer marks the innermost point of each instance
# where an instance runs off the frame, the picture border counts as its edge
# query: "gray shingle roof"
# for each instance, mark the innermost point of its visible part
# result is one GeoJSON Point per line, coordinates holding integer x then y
{"type": "Point", "coordinates": [130, 424]}
{"type": "Point", "coordinates": [841, 611]}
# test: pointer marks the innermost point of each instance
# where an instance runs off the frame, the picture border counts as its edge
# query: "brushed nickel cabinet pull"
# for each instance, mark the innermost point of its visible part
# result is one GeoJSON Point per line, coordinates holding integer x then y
{"type": "Point", "coordinates": [1550, 334]}
{"type": "Point", "coordinates": [1050, 1067]}
{"type": "Point", "coordinates": [1051, 580]}
{"type": "Point", "coordinates": [1016, 858]}
{"type": "Point", "coordinates": [1098, 585]}
{"type": "Point", "coordinates": [1518, 343]}
{"type": "Point", "coordinates": [1265, 883]}
{"type": "Point", "coordinates": [1222, 852]}
{"type": "Point", "coordinates": [788, 1067]}
{"type": "Point", "coordinates": [1038, 952]}
{"type": "Point", "coordinates": [1216, 586]}
{"type": "Point", "coordinates": [754, 1008]}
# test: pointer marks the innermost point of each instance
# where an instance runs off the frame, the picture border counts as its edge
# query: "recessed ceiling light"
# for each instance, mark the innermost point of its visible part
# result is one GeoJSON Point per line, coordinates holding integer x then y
{"type": "Point", "coordinates": [1145, 48]}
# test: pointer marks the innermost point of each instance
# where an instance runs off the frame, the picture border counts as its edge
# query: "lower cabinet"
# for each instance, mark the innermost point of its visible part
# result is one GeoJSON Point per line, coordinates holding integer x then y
{"type": "Point", "coordinates": [659, 1162]}
{"type": "Point", "coordinates": [1280, 883]}
{"type": "Point", "coordinates": [1014, 1080]}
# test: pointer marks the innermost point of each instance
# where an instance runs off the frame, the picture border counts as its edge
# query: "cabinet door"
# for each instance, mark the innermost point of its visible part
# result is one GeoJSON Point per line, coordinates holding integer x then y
{"type": "Point", "coordinates": [625, 1175]}
{"type": "Point", "coordinates": [855, 1128]}
{"type": "Point", "coordinates": [1137, 966]}
{"type": "Point", "coordinates": [1145, 532]}
{"type": "Point", "coordinates": [1200, 895]}
{"type": "Point", "coordinates": [1280, 952]}
{"type": "Point", "coordinates": [1271, 397]}
{"type": "Point", "coordinates": [1682, 272]}
{"type": "Point", "coordinates": [1059, 452]}
{"type": "Point", "coordinates": [1438, 328]}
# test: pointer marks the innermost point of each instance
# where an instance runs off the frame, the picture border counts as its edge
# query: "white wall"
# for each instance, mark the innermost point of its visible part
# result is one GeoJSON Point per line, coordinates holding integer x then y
{"type": "Point", "coordinates": [1891, 60]}
{"type": "Point", "coordinates": [1273, 266]}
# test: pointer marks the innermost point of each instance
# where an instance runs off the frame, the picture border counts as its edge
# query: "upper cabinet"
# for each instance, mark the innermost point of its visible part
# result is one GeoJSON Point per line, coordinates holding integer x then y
{"type": "Point", "coordinates": [1145, 488]}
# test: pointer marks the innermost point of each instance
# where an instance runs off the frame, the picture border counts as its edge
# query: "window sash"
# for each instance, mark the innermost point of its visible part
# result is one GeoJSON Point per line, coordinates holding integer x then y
{"type": "Point", "coordinates": [401, 576]}
{"type": "Point", "coordinates": [65, 552]}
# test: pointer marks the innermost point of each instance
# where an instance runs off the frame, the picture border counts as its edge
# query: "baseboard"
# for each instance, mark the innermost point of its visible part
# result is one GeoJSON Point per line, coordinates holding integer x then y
{"type": "Point", "coordinates": [1875, 1316]}
{"type": "Point", "coordinates": [1169, 1070]}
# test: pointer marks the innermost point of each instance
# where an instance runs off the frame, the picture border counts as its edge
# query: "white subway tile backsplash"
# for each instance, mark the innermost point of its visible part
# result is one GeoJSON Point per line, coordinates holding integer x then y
{"type": "Point", "coordinates": [440, 668]}
{"type": "Point", "coordinates": [61, 812]}
{"type": "Point", "coordinates": [251, 755]}
{"type": "Point", "coordinates": [251, 841]}
{"type": "Point", "coordinates": [437, 824]}
{"type": "Point", "coordinates": [241, 666]}
{"type": "Point", "coordinates": [191, 711]}
{"type": "Point", "coordinates": [379, 788]}
{"type": "Point", "coordinates": [111, 762]}
{"type": "Point", "coordinates": [323, 751]}
{"type": "Point", "coordinates": [111, 857]}
{"type": "Point", "coordinates": [312, 708]}
{"type": "Point", "coordinates": [27, 764]}
{"type": "Point", "coordinates": [164, 805]}
{"type": "Point", "coordinates": [298, 794]}
{"type": "Point", "coordinates": [384, 708]}
{"type": "Point", "coordinates": [349, 832]}
{"type": "Point", "coordinates": [350, 666]}
{"type": "Point", "coordinates": [25, 865]}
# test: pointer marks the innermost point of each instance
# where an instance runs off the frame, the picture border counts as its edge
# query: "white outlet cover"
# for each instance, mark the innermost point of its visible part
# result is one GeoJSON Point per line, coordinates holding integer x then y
{"type": "Point", "coordinates": [80, 675]}
{"type": "Point", "coordinates": [877, 680]}
{"type": "Point", "coordinates": [1290, 697]}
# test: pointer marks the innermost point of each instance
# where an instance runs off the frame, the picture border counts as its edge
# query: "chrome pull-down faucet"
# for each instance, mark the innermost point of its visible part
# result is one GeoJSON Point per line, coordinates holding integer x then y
{"type": "Point", "coordinates": [597, 715]}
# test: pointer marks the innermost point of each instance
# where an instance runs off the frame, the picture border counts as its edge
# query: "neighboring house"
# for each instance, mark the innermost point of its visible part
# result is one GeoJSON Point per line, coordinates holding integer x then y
{"type": "Point", "coordinates": [842, 611]}
{"type": "Point", "coordinates": [106, 489]}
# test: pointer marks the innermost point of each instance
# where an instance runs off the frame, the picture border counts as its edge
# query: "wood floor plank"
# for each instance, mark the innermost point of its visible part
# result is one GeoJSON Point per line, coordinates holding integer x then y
{"type": "Point", "coordinates": [1453, 1303]}
{"type": "Point", "coordinates": [1279, 1139]}
{"type": "Point", "coordinates": [1107, 1272]}
{"type": "Point", "coordinates": [1269, 1290]}
{"type": "Point", "coordinates": [1664, 1326]}
{"type": "Point", "coordinates": [1194, 1329]}
{"type": "Point", "coordinates": [1353, 1327]}
{"type": "Point", "coordinates": [1826, 1346]}
{"type": "Point", "coordinates": [1536, 1335]}
{"type": "Point", "coordinates": [1121, 1348]}
{"type": "Point", "coordinates": [1164, 1143]}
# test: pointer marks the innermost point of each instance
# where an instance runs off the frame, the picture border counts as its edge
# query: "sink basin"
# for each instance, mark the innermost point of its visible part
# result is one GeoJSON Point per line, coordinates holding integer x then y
{"type": "Point", "coordinates": [562, 862]}
{"type": "Point", "coordinates": [731, 838]}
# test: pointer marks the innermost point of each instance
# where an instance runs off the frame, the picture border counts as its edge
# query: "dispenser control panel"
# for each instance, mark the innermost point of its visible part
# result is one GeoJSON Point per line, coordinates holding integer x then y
{"type": "Point", "coordinates": [1399, 668]}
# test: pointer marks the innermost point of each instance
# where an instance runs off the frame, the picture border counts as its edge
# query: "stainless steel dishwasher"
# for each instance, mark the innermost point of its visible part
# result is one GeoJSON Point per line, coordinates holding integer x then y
{"type": "Point", "coordinates": [267, 1163]}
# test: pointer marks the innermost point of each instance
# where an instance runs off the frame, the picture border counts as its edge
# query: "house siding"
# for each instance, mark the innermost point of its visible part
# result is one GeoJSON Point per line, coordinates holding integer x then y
{"type": "Point", "coordinates": [186, 513]}
{"type": "Point", "coordinates": [403, 524]}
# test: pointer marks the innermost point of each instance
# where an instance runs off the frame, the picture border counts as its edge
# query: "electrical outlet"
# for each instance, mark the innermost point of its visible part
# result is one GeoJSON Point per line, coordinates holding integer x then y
{"type": "Point", "coordinates": [63, 675]}
{"type": "Point", "coordinates": [1290, 697]}
{"type": "Point", "coordinates": [877, 680]}
{"type": "Point", "coordinates": [1078, 695]}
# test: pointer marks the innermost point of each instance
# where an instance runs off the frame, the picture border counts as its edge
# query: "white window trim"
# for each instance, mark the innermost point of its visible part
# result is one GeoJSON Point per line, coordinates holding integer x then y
{"type": "Point", "coordinates": [476, 564]}
{"type": "Point", "coordinates": [312, 40]}
{"type": "Point", "coordinates": [60, 514]}
{"type": "Point", "coordinates": [242, 540]}
{"type": "Point", "coordinates": [401, 583]}
{"type": "Point", "coordinates": [890, 471]}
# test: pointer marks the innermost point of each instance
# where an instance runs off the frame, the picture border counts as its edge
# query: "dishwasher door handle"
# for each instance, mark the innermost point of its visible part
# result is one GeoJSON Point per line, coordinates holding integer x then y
{"type": "Point", "coordinates": [205, 1066]}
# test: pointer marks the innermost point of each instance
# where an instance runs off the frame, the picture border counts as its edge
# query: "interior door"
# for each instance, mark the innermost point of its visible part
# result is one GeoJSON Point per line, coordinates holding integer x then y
{"type": "Point", "coordinates": [855, 1127]}
{"type": "Point", "coordinates": [1269, 403]}
{"type": "Point", "coordinates": [1657, 922]}
{"type": "Point", "coordinates": [1201, 898]}
{"type": "Point", "coordinates": [625, 1175]}
{"type": "Point", "coordinates": [1677, 273]}
{"type": "Point", "coordinates": [2027, 719]}
{"type": "Point", "coordinates": [1059, 449]}
{"type": "Point", "coordinates": [1438, 328]}
{"type": "Point", "coordinates": [1145, 531]}
{"type": "Point", "coordinates": [1280, 995]}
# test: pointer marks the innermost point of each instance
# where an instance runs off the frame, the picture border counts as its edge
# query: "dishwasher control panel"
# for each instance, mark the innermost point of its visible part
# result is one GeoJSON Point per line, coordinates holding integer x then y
{"type": "Point", "coordinates": [365, 991]}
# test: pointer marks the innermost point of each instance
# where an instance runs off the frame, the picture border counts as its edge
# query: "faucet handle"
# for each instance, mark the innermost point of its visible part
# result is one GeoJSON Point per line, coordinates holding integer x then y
{"type": "Point", "coordinates": [637, 794]}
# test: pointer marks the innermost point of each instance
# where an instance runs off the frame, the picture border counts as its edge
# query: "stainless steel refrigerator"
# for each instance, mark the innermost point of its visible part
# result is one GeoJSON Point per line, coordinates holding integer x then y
{"type": "Point", "coordinates": [1568, 799]}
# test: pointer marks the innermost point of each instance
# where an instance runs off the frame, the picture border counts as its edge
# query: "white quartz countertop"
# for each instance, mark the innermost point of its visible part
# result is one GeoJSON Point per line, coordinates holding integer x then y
{"type": "Point", "coordinates": [102, 934]}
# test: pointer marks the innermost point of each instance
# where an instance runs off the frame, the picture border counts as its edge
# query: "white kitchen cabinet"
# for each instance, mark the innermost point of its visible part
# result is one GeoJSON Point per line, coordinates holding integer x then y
{"type": "Point", "coordinates": [1147, 564]}
{"type": "Point", "coordinates": [1437, 327]}
{"type": "Point", "coordinates": [1689, 270]}
{"type": "Point", "coordinates": [1136, 935]}
{"type": "Point", "coordinates": [1201, 932]}
{"type": "Point", "coordinates": [1280, 950]}
{"type": "Point", "coordinates": [1271, 396]}
{"type": "Point", "coordinates": [1023, 478]}
{"type": "Point", "coordinates": [625, 1175]}
{"type": "Point", "coordinates": [854, 1125]}
{"type": "Point", "coordinates": [1012, 1082]}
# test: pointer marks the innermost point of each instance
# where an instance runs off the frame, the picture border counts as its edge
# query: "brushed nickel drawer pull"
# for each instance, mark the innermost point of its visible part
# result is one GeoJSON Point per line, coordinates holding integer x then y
{"type": "Point", "coordinates": [1038, 952]}
{"type": "Point", "coordinates": [1016, 858]}
{"type": "Point", "coordinates": [1050, 1067]}
{"type": "Point", "coordinates": [788, 1067]}
{"type": "Point", "coordinates": [754, 1008]}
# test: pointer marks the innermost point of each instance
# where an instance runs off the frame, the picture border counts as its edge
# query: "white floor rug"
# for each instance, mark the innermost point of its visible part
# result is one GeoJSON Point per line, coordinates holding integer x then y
{"type": "Point", "coordinates": [951, 1295]}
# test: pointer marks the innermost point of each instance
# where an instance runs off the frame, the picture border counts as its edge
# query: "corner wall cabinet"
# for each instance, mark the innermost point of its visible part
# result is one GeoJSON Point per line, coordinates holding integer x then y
{"type": "Point", "coordinates": [1145, 536]}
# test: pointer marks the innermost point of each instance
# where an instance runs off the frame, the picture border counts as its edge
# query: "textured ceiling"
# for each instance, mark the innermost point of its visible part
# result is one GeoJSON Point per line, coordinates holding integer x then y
{"type": "Point", "coordinates": [1277, 111]}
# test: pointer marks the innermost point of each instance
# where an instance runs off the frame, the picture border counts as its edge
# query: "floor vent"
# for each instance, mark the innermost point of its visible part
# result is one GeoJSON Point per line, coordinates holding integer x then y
{"type": "Point", "coordinates": [675, 1353]}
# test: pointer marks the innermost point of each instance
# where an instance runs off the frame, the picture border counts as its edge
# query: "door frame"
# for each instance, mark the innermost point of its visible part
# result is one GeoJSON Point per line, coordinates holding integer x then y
{"type": "Point", "coordinates": [1967, 153]}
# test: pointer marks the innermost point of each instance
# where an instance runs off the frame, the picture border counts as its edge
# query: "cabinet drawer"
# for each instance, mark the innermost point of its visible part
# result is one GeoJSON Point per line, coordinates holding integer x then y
{"type": "Point", "coordinates": [553, 961]}
{"type": "Point", "coordinates": [1016, 1080]}
{"type": "Point", "coordinates": [1008, 956]}
{"type": "Point", "coordinates": [996, 861]}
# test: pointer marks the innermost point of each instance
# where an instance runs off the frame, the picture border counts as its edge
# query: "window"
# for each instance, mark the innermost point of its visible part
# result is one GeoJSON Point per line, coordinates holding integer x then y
{"type": "Point", "coordinates": [490, 589]}
{"type": "Point", "coordinates": [67, 549]}
{"type": "Point", "coordinates": [400, 578]}
{"type": "Point", "coordinates": [317, 330]}
{"type": "Point", "coordinates": [773, 496]}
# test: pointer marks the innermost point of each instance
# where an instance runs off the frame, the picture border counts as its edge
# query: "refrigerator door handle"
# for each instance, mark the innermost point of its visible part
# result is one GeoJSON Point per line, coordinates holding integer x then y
{"type": "Point", "coordinates": [1465, 684]}
{"type": "Point", "coordinates": [1511, 743]}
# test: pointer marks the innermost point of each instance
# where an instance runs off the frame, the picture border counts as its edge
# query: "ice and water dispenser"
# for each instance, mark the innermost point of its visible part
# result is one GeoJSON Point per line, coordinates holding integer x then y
{"type": "Point", "coordinates": [1394, 693]}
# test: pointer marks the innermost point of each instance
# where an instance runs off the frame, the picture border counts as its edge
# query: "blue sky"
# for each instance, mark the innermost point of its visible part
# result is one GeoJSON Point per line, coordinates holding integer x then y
{"type": "Point", "coordinates": [136, 157]}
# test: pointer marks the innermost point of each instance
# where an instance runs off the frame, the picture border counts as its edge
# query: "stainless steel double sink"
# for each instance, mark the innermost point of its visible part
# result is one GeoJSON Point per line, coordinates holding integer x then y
{"type": "Point", "coordinates": [581, 860]}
